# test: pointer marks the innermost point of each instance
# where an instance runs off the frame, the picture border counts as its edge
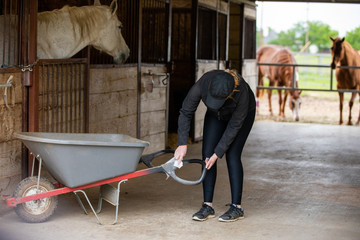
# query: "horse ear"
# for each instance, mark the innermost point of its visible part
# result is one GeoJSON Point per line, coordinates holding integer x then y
{"type": "Point", "coordinates": [113, 6]}
{"type": "Point", "coordinates": [97, 3]}
{"type": "Point", "coordinates": [332, 39]}
{"type": "Point", "coordinates": [343, 39]}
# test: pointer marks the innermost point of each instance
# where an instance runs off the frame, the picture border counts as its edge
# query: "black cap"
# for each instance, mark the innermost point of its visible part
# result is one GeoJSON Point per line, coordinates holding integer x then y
{"type": "Point", "coordinates": [220, 86]}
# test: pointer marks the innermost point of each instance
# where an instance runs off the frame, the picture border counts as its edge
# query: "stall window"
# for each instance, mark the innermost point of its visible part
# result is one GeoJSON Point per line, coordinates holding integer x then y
{"type": "Point", "coordinates": [207, 35]}
{"type": "Point", "coordinates": [250, 39]}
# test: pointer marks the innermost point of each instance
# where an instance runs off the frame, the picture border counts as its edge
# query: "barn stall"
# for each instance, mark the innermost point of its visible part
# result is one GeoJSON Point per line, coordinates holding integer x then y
{"type": "Point", "coordinates": [89, 93]}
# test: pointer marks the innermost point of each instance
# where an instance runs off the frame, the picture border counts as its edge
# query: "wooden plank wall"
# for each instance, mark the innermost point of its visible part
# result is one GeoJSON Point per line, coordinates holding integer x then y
{"type": "Point", "coordinates": [113, 104]}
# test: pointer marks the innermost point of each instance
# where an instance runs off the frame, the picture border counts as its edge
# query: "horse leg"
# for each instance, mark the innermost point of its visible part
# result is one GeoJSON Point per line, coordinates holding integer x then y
{"type": "Point", "coordinates": [269, 99]}
{"type": "Point", "coordinates": [284, 103]}
{"type": "Point", "coordinates": [358, 121]}
{"type": "Point", "coordinates": [351, 103]}
{"type": "Point", "coordinates": [341, 99]}
{"type": "Point", "coordinates": [280, 104]}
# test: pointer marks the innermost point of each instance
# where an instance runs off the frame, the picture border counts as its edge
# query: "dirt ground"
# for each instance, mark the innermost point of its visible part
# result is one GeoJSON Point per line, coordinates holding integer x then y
{"type": "Point", "coordinates": [322, 108]}
{"type": "Point", "coordinates": [306, 188]}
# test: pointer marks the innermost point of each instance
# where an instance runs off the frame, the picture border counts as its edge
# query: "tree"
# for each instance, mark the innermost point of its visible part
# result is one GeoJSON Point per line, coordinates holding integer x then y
{"type": "Point", "coordinates": [319, 35]}
{"type": "Point", "coordinates": [352, 37]}
{"type": "Point", "coordinates": [295, 38]}
{"type": "Point", "coordinates": [290, 38]}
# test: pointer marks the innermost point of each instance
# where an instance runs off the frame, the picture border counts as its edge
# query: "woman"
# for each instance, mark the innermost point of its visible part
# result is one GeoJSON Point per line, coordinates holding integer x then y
{"type": "Point", "coordinates": [229, 118]}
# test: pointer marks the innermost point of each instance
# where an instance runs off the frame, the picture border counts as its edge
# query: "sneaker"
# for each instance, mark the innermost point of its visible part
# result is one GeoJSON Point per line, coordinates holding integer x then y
{"type": "Point", "coordinates": [204, 213]}
{"type": "Point", "coordinates": [233, 214]}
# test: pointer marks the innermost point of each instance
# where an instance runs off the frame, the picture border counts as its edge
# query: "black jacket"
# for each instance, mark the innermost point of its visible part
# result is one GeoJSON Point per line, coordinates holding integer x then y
{"type": "Point", "coordinates": [234, 111]}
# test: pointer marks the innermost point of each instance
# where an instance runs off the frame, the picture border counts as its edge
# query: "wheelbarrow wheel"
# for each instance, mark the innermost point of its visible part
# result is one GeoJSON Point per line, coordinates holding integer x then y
{"type": "Point", "coordinates": [39, 210]}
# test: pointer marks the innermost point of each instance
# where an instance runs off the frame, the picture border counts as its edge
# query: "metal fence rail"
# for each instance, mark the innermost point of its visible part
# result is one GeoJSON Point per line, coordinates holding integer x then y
{"type": "Point", "coordinates": [293, 82]}
{"type": "Point", "coordinates": [62, 95]}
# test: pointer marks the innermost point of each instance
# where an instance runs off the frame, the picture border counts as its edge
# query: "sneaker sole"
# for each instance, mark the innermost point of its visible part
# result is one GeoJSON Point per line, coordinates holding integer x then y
{"type": "Point", "coordinates": [231, 220]}
{"type": "Point", "coordinates": [202, 219]}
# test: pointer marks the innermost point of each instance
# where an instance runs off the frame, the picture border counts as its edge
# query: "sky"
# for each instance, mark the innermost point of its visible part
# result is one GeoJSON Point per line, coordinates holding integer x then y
{"type": "Point", "coordinates": [282, 16]}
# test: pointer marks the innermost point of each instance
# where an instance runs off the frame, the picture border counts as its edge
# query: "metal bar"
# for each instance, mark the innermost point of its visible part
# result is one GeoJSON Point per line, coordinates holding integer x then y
{"type": "Point", "coordinates": [306, 65]}
{"type": "Point", "coordinates": [138, 122]}
{"type": "Point", "coordinates": [71, 98]}
{"type": "Point", "coordinates": [309, 89]}
{"type": "Point", "coordinates": [82, 205]}
{"type": "Point", "coordinates": [8, 34]}
{"type": "Point", "coordinates": [79, 98]}
{"type": "Point", "coordinates": [6, 85]}
{"type": "Point", "coordinates": [331, 79]}
{"type": "Point", "coordinates": [86, 92]}
{"type": "Point", "coordinates": [62, 97]}
{"type": "Point", "coordinates": [57, 99]}
{"type": "Point", "coordinates": [67, 92]}
{"type": "Point", "coordinates": [43, 96]}
{"type": "Point", "coordinates": [69, 60]}
{"type": "Point", "coordinates": [294, 80]}
{"type": "Point", "coordinates": [4, 33]}
{"type": "Point", "coordinates": [75, 76]}
{"type": "Point", "coordinates": [52, 105]}
{"type": "Point", "coordinates": [169, 31]}
{"type": "Point", "coordinates": [46, 91]}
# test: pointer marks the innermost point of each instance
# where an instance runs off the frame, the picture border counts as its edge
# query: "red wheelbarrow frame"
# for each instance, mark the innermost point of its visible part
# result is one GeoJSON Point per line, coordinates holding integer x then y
{"type": "Point", "coordinates": [12, 202]}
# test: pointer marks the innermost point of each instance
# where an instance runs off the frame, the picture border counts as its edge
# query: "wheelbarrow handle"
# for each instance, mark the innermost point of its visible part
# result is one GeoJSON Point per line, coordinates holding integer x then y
{"type": "Point", "coordinates": [147, 159]}
{"type": "Point", "coordinates": [170, 168]}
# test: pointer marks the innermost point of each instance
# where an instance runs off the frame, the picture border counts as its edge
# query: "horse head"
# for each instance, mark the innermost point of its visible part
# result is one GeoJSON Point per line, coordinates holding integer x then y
{"type": "Point", "coordinates": [336, 50]}
{"type": "Point", "coordinates": [295, 103]}
{"type": "Point", "coordinates": [111, 40]}
{"type": "Point", "coordinates": [295, 100]}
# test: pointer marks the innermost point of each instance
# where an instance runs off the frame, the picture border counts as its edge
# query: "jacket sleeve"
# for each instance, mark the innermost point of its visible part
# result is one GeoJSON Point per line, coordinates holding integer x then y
{"type": "Point", "coordinates": [235, 123]}
{"type": "Point", "coordinates": [189, 106]}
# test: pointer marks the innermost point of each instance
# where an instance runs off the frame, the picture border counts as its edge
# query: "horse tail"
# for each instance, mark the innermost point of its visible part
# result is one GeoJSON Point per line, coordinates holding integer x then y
{"type": "Point", "coordinates": [260, 92]}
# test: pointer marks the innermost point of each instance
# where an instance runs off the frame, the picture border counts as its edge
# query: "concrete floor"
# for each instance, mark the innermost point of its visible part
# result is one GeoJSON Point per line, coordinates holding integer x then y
{"type": "Point", "coordinates": [302, 181]}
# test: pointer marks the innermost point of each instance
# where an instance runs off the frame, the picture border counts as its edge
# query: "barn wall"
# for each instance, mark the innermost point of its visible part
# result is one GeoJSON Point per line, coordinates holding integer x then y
{"type": "Point", "coordinates": [113, 104]}
{"type": "Point", "coordinates": [10, 149]}
{"type": "Point", "coordinates": [249, 65]}
{"type": "Point", "coordinates": [112, 100]}
{"type": "Point", "coordinates": [249, 73]}
{"type": "Point", "coordinates": [203, 67]}
{"type": "Point", "coordinates": [153, 109]}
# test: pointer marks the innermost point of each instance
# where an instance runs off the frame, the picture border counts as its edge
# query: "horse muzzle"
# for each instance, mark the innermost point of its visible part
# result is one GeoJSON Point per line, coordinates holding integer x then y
{"type": "Point", "coordinates": [121, 58]}
{"type": "Point", "coordinates": [333, 66]}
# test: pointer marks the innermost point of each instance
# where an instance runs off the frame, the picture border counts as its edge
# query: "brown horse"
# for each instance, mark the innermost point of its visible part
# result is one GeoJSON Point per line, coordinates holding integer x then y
{"type": "Point", "coordinates": [344, 55]}
{"type": "Point", "coordinates": [279, 76]}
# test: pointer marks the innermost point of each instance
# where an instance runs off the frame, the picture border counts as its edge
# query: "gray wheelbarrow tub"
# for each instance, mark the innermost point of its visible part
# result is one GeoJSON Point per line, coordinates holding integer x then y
{"type": "Point", "coordinates": [77, 159]}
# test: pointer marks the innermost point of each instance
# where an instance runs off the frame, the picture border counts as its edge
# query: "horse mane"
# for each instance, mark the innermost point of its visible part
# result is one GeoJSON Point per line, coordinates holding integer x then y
{"type": "Point", "coordinates": [86, 18]}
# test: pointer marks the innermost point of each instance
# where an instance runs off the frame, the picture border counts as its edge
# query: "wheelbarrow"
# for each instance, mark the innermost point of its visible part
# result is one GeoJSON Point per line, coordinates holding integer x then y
{"type": "Point", "coordinates": [82, 161]}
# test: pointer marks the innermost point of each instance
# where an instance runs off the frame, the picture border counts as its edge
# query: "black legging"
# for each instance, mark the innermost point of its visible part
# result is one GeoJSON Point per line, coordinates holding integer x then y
{"type": "Point", "coordinates": [212, 133]}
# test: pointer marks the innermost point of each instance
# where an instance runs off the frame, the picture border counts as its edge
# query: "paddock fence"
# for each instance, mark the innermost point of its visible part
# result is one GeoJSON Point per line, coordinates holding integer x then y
{"type": "Point", "coordinates": [326, 83]}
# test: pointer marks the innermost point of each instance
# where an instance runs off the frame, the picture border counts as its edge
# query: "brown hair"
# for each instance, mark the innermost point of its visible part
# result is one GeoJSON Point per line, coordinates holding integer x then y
{"type": "Point", "coordinates": [237, 80]}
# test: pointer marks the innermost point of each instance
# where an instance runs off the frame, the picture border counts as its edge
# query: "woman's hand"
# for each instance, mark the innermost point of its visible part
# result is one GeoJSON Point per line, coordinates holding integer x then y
{"type": "Point", "coordinates": [180, 153]}
{"type": "Point", "coordinates": [210, 161]}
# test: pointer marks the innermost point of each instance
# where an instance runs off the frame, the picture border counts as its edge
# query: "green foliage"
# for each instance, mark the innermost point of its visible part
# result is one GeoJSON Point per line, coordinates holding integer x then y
{"type": "Point", "coordinates": [353, 37]}
{"type": "Point", "coordinates": [289, 38]}
{"type": "Point", "coordinates": [316, 32]}
{"type": "Point", "coordinates": [319, 35]}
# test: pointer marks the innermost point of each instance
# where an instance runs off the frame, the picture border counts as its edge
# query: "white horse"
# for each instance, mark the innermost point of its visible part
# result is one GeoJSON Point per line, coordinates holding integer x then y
{"type": "Point", "coordinates": [64, 32]}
